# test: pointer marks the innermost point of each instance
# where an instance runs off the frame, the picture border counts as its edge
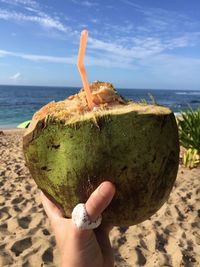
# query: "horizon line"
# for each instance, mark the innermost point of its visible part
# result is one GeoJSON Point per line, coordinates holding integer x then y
{"type": "Point", "coordinates": [79, 87]}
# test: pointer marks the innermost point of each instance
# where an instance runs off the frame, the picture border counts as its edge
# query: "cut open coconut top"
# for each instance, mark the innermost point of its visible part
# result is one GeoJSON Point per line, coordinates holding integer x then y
{"type": "Point", "coordinates": [104, 97]}
{"type": "Point", "coordinates": [75, 108]}
{"type": "Point", "coordinates": [106, 100]}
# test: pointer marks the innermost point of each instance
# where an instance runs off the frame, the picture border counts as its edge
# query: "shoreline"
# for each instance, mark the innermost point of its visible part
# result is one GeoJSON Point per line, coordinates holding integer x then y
{"type": "Point", "coordinates": [12, 131]}
{"type": "Point", "coordinates": [4, 127]}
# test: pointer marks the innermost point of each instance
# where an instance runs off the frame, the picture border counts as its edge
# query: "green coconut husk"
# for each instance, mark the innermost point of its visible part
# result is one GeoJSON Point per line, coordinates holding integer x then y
{"type": "Point", "coordinates": [135, 146]}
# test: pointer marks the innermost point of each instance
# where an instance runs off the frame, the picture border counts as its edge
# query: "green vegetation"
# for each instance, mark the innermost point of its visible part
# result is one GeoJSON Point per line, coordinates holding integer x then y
{"type": "Point", "coordinates": [152, 98]}
{"type": "Point", "coordinates": [189, 136]}
{"type": "Point", "coordinates": [143, 101]}
{"type": "Point", "coordinates": [154, 102]}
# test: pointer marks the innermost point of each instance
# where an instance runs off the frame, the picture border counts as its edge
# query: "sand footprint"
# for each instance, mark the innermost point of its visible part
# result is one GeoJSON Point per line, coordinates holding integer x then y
{"type": "Point", "coordinates": [141, 260]}
{"type": "Point", "coordinates": [47, 256]}
{"type": "Point", "coordinates": [3, 227]}
{"type": "Point", "coordinates": [4, 213]}
{"type": "Point", "coordinates": [5, 258]}
{"type": "Point", "coordinates": [19, 246]}
{"type": "Point", "coordinates": [24, 222]}
{"type": "Point", "coordinates": [17, 200]}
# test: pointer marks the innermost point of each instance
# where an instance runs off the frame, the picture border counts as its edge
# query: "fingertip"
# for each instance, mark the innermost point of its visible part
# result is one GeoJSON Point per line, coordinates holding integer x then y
{"type": "Point", "coordinates": [107, 189]}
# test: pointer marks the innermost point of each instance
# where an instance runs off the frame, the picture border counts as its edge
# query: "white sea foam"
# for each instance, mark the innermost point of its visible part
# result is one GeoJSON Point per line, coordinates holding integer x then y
{"type": "Point", "coordinates": [188, 93]}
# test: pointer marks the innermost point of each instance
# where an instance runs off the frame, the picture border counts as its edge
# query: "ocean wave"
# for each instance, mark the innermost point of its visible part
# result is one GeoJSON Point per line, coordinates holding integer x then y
{"type": "Point", "coordinates": [181, 93]}
{"type": "Point", "coordinates": [188, 93]}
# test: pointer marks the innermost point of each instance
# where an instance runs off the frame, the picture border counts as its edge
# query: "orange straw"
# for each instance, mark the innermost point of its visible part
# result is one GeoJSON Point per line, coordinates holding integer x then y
{"type": "Point", "coordinates": [81, 68]}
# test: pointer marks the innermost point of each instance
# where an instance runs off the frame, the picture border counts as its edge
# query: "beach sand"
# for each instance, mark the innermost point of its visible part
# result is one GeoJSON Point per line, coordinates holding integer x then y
{"type": "Point", "coordinates": [170, 238]}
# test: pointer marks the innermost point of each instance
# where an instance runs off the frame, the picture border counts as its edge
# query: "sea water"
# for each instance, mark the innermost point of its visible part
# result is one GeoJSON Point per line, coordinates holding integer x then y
{"type": "Point", "coordinates": [18, 103]}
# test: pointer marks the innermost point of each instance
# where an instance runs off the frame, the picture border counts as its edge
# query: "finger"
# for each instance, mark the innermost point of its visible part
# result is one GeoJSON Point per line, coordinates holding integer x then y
{"type": "Point", "coordinates": [102, 237]}
{"type": "Point", "coordinates": [52, 211]}
{"type": "Point", "coordinates": [100, 199]}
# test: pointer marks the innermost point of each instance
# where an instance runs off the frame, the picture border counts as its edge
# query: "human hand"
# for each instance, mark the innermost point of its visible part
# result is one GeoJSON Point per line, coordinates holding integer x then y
{"type": "Point", "coordinates": [83, 248]}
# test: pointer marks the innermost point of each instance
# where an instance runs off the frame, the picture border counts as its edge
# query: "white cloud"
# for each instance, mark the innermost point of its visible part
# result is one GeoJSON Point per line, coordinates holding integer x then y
{"type": "Point", "coordinates": [4, 53]}
{"type": "Point", "coordinates": [171, 70]}
{"type": "Point", "coordinates": [118, 53]}
{"type": "Point", "coordinates": [38, 58]}
{"type": "Point", "coordinates": [16, 76]}
{"type": "Point", "coordinates": [126, 47]}
{"type": "Point", "coordinates": [30, 9]}
{"type": "Point", "coordinates": [126, 39]}
{"type": "Point", "coordinates": [163, 21]}
{"type": "Point", "coordinates": [46, 58]}
{"type": "Point", "coordinates": [90, 60]}
{"type": "Point", "coordinates": [131, 3]}
{"type": "Point", "coordinates": [88, 3]}
{"type": "Point", "coordinates": [94, 20]}
{"type": "Point", "coordinates": [85, 3]}
{"type": "Point", "coordinates": [140, 47]}
{"type": "Point", "coordinates": [34, 15]}
{"type": "Point", "coordinates": [42, 19]}
{"type": "Point", "coordinates": [122, 28]}
{"type": "Point", "coordinates": [109, 54]}
{"type": "Point", "coordinates": [30, 3]}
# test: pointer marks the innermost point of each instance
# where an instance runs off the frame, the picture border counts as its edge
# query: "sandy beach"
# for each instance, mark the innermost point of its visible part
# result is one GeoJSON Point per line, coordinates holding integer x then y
{"type": "Point", "coordinates": [170, 238]}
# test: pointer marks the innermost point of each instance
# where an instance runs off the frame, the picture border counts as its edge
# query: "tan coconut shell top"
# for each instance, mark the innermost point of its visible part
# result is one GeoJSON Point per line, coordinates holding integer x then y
{"type": "Point", "coordinates": [104, 97]}
{"type": "Point", "coordinates": [75, 107]}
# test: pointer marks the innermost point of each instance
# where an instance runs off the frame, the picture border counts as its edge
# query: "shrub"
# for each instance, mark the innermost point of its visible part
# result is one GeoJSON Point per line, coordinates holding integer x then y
{"type": "Point", "coordinates": [189, 136]}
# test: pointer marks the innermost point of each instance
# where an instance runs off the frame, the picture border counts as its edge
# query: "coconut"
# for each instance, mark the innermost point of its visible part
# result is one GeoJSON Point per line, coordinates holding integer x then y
{"type": "Point", "coordinates": [70, 150]}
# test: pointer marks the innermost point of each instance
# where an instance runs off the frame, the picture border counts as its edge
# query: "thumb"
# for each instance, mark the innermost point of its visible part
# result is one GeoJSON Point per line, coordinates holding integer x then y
{"type": "Point", "coordinates": [99, 199]}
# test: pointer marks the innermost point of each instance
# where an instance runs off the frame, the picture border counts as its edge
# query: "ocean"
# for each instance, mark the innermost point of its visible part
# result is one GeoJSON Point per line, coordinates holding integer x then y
{"type": "Point", "coordinates": [18, 103]}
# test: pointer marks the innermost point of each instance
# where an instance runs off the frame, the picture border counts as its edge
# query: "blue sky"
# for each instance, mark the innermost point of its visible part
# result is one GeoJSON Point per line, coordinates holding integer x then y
{"type": "Point", "coordinates": [133, 44]}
